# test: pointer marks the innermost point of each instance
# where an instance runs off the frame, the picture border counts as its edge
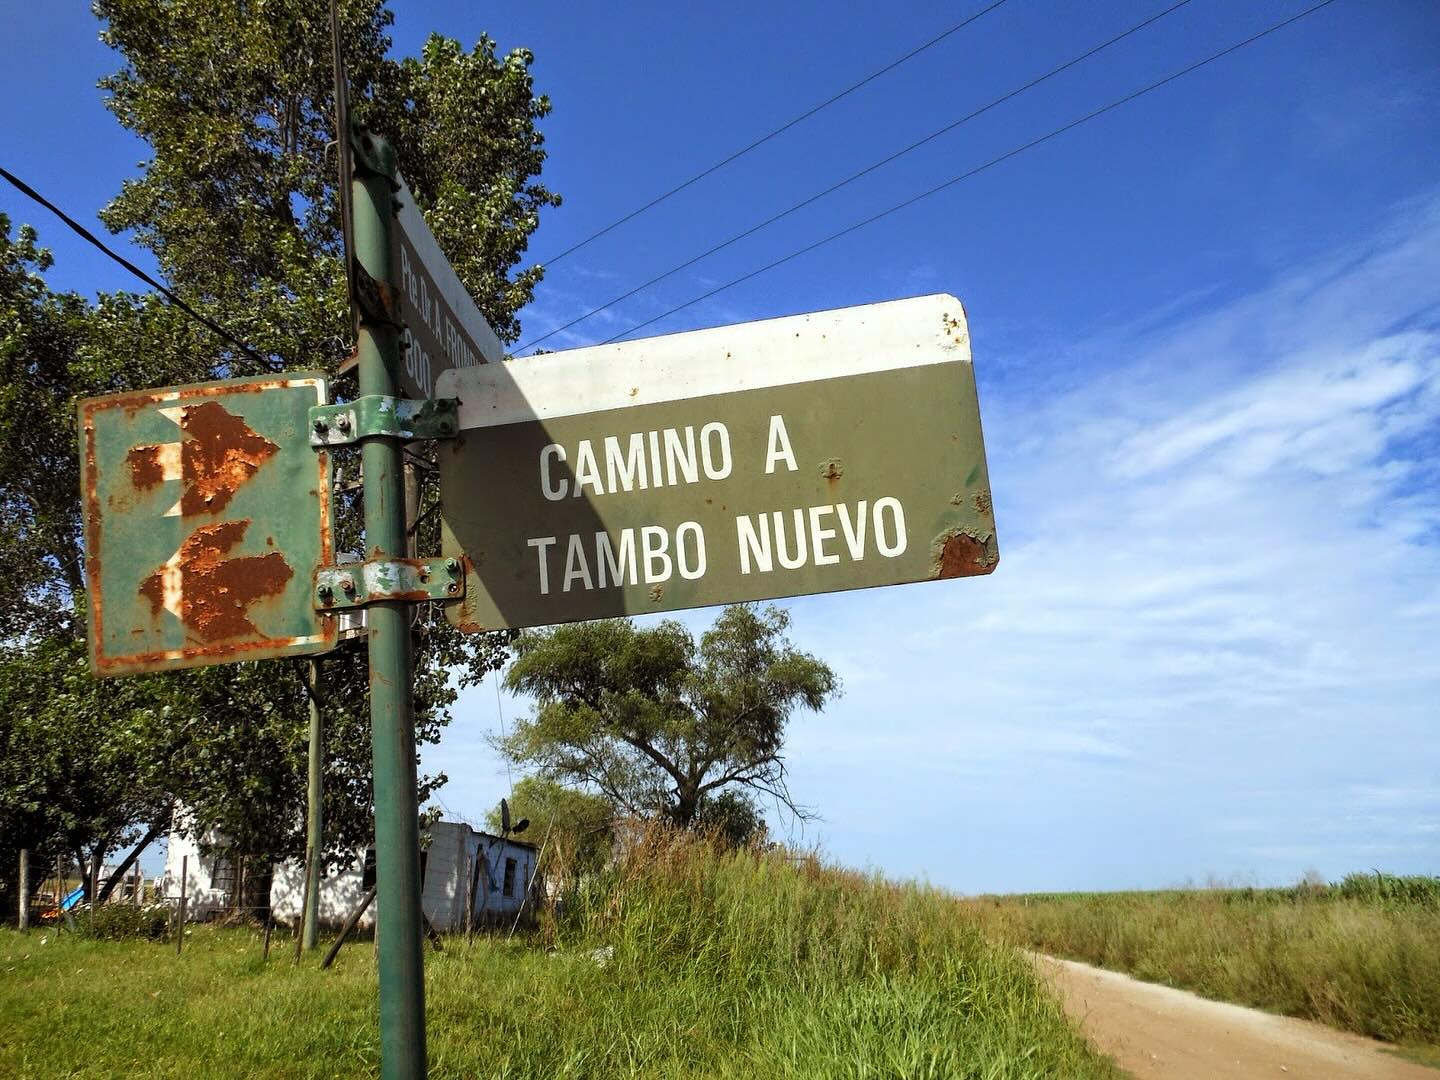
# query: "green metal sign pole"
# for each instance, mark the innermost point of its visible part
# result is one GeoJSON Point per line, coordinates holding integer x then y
{"type": "Point", "coordinates": [392, 727]}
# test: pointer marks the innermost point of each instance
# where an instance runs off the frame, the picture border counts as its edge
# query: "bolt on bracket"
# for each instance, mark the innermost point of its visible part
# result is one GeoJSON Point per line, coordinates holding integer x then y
{"type": "Point", "coordinates": [375, 414]}
{"type": "Point", "coordinates": [352, 585]}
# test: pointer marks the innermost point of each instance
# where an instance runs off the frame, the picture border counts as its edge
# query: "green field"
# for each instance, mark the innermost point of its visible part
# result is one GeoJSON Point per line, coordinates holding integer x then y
{"type": "Point", "coordinates": [1362, 955]}
{"type": "Point", "coordinates": [681, 962]}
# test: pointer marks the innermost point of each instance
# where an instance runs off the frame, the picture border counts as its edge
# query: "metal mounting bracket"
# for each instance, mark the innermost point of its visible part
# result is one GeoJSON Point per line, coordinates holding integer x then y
{"type": "Point", "coordinates": [375, 414]}
{"type": "Point", "coordinates": [378, 301]}
{"type": "Point", "coordinates": [352, 585]}
{"type": "Point", "coordinates": [372, 155]}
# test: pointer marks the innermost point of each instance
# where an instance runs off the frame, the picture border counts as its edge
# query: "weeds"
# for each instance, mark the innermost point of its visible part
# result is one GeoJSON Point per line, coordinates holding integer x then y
{"type": "Point", "coordinates": [1363, 955]}
{"type": "Point", "coordinates": [681, 960]}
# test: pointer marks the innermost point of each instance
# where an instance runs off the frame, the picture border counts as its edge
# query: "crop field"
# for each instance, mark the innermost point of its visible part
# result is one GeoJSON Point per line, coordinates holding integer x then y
{"type": "Point", "coordinates": [1362, 954]}
{"type": "Point", "coordinates": [681, 962]}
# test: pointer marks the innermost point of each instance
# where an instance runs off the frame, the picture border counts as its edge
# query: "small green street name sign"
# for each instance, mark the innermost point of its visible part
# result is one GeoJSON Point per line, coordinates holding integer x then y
{"type": "Point", "coordinates": [837, 450]}
{"type": "Point", "coordinates": [206, 513]}
{"type": "Point", "coordinates": [443, 327]}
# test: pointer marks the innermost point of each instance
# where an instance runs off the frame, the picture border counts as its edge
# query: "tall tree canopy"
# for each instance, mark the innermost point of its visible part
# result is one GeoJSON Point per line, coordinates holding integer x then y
{"type": "Point", "coordinates": [660, 725]}
{"type": "Point", "coordinates": [236, 203]}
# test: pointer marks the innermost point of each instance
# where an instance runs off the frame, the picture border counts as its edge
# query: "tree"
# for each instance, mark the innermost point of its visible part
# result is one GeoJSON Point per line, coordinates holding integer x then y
{"type": "Point", "coordinates": [237, 205]}
{"type": "Point", "coordinates": [657, 724]}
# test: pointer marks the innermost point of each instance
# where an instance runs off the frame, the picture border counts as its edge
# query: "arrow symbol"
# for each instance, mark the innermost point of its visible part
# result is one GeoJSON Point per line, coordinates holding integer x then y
{"type": "Point", "coordinates": [209, 593]}
{"type": "Point", "coordinates": [216, 454]}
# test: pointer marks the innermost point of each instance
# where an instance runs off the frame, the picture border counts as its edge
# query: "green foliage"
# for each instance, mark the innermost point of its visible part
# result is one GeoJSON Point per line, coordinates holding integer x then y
{"type": "Point", "coordinates": [575, 827]}
{"type": "Point", "coordinates": [1421, 890]}
{"type": "Point", "coordinates": [463, 125]}
{"type": "Point", "coordinates": [77, 773]}
{"type": "Point", "coordinates": [731, 817]}
{"type": "Point", "coordinates": [1345, 955]}
{"type": "Point", "coordinates": [684, 961]}
{"type": "Point", "coordinates": [121, 922]}
{"type": "Point", "coordinates": [657, 724]}
{"type": "Point", "coordinates": [236, 202]}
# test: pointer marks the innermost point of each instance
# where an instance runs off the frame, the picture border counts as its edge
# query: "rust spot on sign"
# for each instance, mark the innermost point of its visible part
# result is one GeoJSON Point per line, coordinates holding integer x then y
{"type": "Point", "coordinates": [221, 453]}
{"type": "Point", "coordinates": [832, 469]}
{"type": "Point", "coordinates": [961, 554]}
{"type": "Point", "coordinates": [210, 593]}
{"type": "Point", "coordinates": [982, 502]}
{"type": "Point", "coordinates": [657, 593]}
{"type": "Point", "coordinates": [145, 469]}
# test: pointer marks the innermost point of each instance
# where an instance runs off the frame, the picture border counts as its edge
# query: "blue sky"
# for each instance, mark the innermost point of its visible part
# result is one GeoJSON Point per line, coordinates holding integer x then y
{"type": "Point", "coordinates": [1207, 332]}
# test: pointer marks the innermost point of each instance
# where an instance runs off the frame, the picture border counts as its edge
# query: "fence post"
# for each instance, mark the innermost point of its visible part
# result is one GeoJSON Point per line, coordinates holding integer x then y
{"type": "Point", "coordinates": [24, 888]}
{"type": "Point", "coordinates": [184, 880]}
{"type": "Point", "coordinates": [314, 809]}
{"type": "Point", "coordinates": [470, 891]}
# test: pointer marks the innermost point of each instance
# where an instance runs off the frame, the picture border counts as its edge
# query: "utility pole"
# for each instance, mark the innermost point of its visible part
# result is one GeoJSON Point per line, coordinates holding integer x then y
{"type": "Point", "coordinates": [314, 809]}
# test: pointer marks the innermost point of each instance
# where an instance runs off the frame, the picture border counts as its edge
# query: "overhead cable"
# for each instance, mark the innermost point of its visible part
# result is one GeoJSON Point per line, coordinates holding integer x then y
{"type": "Point", "coordinates": [772, 134]}
{"type": "Point", "coordinates": [86, 234]}
{"type": "Point", "coordinates": [752, 230]}
{"type": "Point", "coordinates": [975, 171]}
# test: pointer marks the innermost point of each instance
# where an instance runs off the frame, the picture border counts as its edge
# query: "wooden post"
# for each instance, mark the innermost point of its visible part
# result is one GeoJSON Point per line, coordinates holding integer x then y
{"type": "Point", "coordinates": [184, 880]}
{"type": "Point", "coordinates": [470, 892]}
{"type": "Point", "coordinates": [349, 927]}
{"type": "Point", "coordinates": [314, 810]}
{"type": "Point", "coordinates": [301, 915]}
{"type": "Point", "coordinates": [24, 888]}
{"type": "Point", "coordinates": [269, 922]}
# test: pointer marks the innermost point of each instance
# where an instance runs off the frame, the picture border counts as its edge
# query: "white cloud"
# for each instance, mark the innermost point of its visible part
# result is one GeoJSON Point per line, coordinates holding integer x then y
{"type": "Point", "coordinates": [1223, 541]}
{"type": "Point", "coordinates": [1210, 641]}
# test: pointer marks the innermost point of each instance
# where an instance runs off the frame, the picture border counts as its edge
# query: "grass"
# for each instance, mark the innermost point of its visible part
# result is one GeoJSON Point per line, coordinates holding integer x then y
{"type": "Point", "coordinates": [1362, 955]}
{"type": "Point", "coordinates": [680, 962]}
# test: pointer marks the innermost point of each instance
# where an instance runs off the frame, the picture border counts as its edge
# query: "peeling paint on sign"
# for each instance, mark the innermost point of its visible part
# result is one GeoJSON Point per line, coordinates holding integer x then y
{"type": "Point", "coordinates": [206, 511]}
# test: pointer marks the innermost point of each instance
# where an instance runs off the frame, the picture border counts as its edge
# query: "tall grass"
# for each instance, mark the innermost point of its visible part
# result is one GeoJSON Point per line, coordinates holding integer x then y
{"type": "Point", "coordinates": [682, 960]}
{"type": "Point", "coordinates": [1363, 955]}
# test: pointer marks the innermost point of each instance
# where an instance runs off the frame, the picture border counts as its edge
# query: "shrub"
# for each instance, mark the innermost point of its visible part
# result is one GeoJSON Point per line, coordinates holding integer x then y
{"type": "Point", "coordinates": [117, 922]}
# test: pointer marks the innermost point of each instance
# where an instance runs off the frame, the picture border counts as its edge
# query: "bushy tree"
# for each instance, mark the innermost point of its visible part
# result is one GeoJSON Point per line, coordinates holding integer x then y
{"type": "Point", "coordinates": [658, 724]}
{"type": "Point", "coordinates": [236, 202]}
{"type": "Point", "coordinates": [574, 827]}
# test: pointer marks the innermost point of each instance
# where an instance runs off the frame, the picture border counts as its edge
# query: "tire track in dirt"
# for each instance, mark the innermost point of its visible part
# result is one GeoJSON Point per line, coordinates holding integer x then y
{"type": "Point", "coordinates": [1157, 1031]}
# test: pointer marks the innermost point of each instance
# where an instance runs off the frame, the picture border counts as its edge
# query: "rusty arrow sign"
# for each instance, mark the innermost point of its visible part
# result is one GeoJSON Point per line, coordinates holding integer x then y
{"type": "Point", "coordinates": [206, 512]}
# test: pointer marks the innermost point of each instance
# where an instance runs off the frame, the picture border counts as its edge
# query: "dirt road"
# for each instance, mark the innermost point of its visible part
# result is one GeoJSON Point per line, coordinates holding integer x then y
{"type": "Point", "coordinates": [1154, 1031]}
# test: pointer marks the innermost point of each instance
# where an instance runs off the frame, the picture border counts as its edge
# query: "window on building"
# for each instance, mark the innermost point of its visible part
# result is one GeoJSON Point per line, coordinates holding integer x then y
{"type": "Point", "coordinates": [509, 877]}
{"type": "Point", "coordinates": [367, 873]}
{"type": "Point", "coordinates": [222, 875]}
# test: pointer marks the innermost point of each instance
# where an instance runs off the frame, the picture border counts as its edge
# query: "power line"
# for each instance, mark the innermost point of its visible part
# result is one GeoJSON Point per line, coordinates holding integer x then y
{"type": "Point", "coordinates": [975, 171]}
{"type": "Point", "coordinates": [778, 131]}
{"type": "Point", "coordinates": [86, 234]}
{"type": "Point", "coordinates": [752, 230]}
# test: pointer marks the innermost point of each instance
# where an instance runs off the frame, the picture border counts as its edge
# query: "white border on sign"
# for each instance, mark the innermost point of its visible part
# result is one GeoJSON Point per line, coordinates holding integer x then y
{"type": "Point", "coordinates": [725, 359]}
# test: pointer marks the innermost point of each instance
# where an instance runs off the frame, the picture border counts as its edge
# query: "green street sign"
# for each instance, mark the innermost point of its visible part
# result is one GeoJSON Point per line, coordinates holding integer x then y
{"type": "Point", "coordinates": [206, 513]}
{"type": "Point", "coordinates": [443, 327]}
{"type": "Point", "coordinates": [837, 450]}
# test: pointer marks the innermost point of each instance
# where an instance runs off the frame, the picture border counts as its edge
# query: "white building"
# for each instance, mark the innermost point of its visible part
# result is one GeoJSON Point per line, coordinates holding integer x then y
{"type": "Point", "coordinates": [503, 871]}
